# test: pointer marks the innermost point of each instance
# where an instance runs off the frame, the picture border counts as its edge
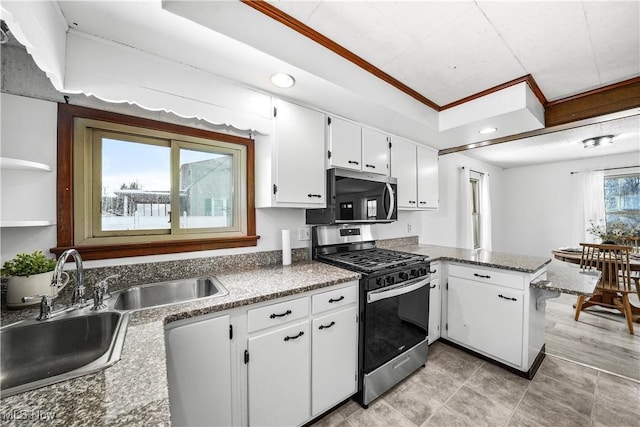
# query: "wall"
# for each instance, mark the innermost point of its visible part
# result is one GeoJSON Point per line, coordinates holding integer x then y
{"type": "Point", "coordinates": [539, 212]}
{"type": "Point", "coordinates": [440, 227]}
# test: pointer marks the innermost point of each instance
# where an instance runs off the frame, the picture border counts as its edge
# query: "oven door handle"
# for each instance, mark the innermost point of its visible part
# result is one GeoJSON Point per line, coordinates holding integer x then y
{"type": "Point", "coordinates": [403, 288]}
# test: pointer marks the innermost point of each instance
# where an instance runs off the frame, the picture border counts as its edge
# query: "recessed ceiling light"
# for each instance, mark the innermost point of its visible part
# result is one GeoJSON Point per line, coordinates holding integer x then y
{"type": "Point", "coordinates": [282, 80]}
{"type": "Point", "coordinates": [488, 130]}
{"type": "Point", "coordinates": [597, 141]}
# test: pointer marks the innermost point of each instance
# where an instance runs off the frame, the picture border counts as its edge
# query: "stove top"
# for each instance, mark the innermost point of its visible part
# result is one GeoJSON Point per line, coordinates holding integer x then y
{"type": "Point", "coordinates": [370, 260]}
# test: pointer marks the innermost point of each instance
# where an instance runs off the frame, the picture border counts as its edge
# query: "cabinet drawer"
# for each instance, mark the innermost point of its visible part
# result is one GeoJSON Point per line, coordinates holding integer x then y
{"type": "Point", "coordinates": [334, 299]}
{"type": "Point", "coordinates": [276, 314]}
{"type": "Point", "coordinates": [494, 277]}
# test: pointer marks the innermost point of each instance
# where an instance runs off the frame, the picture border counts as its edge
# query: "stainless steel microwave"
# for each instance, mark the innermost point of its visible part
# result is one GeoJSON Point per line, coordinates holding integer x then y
{"type": "Point", "coordinates": [356, 197]}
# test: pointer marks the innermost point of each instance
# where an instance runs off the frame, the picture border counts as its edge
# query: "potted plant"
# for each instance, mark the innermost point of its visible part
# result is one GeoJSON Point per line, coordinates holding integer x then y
{"type": "Point", "coordinates": [28, 275]}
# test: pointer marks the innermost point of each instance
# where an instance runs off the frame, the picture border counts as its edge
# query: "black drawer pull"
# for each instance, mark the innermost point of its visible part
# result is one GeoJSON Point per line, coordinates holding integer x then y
{"type": "Point", "coordinates": [287, 338]}
{"type": "Point", "coordinates": [286, 313]}
{"type": "Point", "coordinates": [433, 271]}
{"type": "Point", "coordinates": [371, 166]}
{"type": "Point", "coordinates": [353, 162]}
{"type": "Point", "coordinates": [314, 195]}
{"type": "Point", "coordinates": [503, 297]}
{"type": "Point", "coordinates": [327, 326]}
{"type": "Point", "coordinates": [432, 287]}
{"type": "Point", "coordinates": [336, 300]}
{"type": "Point", "coordinates": [480, 275]}
{"type": "Point", "coordinates": [423, 203]}
{"type": "Point", "coordinates": [413, 202]}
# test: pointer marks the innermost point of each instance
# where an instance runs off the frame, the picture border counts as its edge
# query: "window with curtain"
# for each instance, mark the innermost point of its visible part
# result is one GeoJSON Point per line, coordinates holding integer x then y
{"type": "Point", "coordinates": [476, 230]}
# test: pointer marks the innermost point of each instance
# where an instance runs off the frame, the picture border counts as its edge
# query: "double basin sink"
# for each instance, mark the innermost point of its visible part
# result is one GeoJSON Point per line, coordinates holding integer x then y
{"type": "Point", "coordinates": [38, 353]}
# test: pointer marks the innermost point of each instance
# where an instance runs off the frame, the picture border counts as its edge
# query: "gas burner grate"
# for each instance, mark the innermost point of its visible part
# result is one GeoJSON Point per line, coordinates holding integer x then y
{"type": "Point", "coordinates": [371, 259]}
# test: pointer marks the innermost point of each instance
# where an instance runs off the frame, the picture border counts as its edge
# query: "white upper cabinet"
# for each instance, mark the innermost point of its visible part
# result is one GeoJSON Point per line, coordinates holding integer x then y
{"type": "Point", "coordinates": [345, 144]}
{"type": "Point", "coordinates": [375, 152]}
{"type": "Point", "coordinates": [290, 168]}
{"type": "Point", "coordinates": [427, 178]}
{"type": "Point", "coordinates": [354, 147]}
{"type": "Point", "coordinates": [416, 168]}
{"type": "Point", "coordinates": [403, 168]}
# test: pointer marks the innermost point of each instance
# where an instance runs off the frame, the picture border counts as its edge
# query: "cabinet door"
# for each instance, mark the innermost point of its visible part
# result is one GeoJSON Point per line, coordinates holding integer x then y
{"type": "Point", "coordinates": [487, 318]}
{"type": "Point", "coordinates": [279, 377]}
{"type": "Point", "coordinates": [427, 178]}
{"type": "Point", "coordinates": [375, 152]}
{"type": "Point", "coordinates": [345, 144]}
{"type": "Point", "coordinates": [434, 308]}
{"type": "Point", "coordinates": [334, 359]}
{"type": "Point", "coordinates": [299, 168]}
{"type": "Point", "coordinates": [403, 167]}
{"type": "Point", "coordinates": [199, 372]}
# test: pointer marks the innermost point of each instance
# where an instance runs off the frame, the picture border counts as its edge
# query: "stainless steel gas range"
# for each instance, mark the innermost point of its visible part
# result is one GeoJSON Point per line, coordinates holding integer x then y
{"type": "Point", "coordinates": [394, 305]}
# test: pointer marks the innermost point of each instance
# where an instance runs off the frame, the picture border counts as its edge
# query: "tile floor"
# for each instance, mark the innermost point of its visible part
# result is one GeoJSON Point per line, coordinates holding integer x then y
{"type": "Point", "coordinates": [458, 389]}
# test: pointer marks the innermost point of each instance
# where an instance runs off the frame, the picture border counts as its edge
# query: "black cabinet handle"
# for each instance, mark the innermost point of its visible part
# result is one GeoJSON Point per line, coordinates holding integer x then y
{"type": "Point", "coordinates": [287, 338]}
{"type": "Point", "coordinates": [286, 313]}
{"type": "Point", "coordinates": [433, 271]}
{"type": "Point", "coordinates": [327, 326]}
{"type": "Point", "coordinates": [432, 287]}
{"type": "Point", "coordinates": [314, 195]}
{"type": "Point", "coordinates": [371, 166]}
{"type": "Point", "coordinates": [423, 203]}
{"type": "Point", "coordinates": [336, 300]}
{"type": "Point", "coordinates": [480, 275]}
{"type": "Point", "coordinates": [413, 202]}
{"type": "Point", "coordinates": [510, 299]}
{"type": "Point", "coordinates": [353, 162]}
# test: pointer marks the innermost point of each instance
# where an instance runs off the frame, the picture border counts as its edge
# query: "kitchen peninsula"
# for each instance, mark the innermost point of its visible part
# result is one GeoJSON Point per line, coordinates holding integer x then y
{"type": "Point", "coordinates": [135, 392]}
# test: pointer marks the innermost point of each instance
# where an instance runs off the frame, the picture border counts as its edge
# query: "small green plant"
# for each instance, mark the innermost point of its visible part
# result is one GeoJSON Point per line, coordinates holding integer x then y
{"type": "Point", "coordinates": [28, 264]}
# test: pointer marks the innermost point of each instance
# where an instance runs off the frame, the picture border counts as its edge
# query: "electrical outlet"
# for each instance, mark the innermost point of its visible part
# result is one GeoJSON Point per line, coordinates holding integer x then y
{"type": "Point", "coordinates": [304, 233]}
{"type": "Point", "coordinates": [408, 228]}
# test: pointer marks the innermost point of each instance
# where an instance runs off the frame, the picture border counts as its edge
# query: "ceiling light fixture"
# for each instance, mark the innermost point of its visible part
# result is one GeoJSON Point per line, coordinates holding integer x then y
{"type": "Point", "coordinates": [486, 131]}
{"type": "Point", "coordinates": [597, 141]}
{"type": "Point", "coordinates": [282, 80]}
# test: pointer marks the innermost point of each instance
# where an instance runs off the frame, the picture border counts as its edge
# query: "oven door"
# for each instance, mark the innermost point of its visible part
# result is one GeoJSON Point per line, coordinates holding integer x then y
{"type": "Point", "coordinates": [396, 319]}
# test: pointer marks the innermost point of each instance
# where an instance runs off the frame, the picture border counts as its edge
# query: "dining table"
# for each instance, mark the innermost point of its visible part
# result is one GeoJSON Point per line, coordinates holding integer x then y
{"type": "Point", "coordinates": [574, 255]}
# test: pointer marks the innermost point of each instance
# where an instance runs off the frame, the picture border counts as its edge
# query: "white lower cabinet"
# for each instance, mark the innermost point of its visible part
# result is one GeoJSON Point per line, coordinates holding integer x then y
{"type": "Point", "coordinates": [279, 363]}
{"type": "Point", "coordinates": [486, 313]}
{"type": "Point", "coordinates": [486, 317]}
{"type": "Point", "coordinates": [199, 371]}
{"type": "Point", "coordinates": [279, 374]}
{"type": "Point", "coordinates": [435, 302]}
{"type": "Point", "coordinates": [334, 349]}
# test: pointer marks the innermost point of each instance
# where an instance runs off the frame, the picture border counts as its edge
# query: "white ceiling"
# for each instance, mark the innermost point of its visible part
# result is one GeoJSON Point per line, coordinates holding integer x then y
{"type": "Point", "coordinates": [445, 50]}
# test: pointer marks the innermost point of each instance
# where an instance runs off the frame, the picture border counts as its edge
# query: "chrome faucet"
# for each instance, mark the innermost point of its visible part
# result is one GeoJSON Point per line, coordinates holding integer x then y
{"type": "Point", "coordinates": [77, 298]}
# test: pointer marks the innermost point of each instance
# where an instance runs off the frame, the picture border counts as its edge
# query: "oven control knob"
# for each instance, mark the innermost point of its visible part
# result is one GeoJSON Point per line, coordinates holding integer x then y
{"type": "Point", "coordinates": [391, 280]}
{"type": "Point", "coordinates": [380, 281]}
{"type": "Point", "coordinates": [415, 272]}
{"type": "Point", "coordinates": [404, 276]}
{"type": "Point", "coordinates": [422, 272]}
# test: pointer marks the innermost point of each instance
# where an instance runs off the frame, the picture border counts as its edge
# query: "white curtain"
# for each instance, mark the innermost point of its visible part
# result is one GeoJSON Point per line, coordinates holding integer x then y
{"type": "Point", "coordinates": [465, 239]}
{"type": "Point", "coordinates": [485, 213]}
{"type": "Point", "coordinates": [588, 204]}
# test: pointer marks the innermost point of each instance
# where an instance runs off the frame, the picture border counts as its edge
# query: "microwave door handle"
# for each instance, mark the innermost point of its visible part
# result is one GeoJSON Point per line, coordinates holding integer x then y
{"type": "Point", "coordinates": [391, 201]}
{"type": "Point", "coordinates": [396, 290]}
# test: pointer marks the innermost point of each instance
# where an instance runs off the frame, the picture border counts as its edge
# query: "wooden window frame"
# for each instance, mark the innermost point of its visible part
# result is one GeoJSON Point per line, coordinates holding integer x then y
{"type": "Point", "coordinates": [65, 197]}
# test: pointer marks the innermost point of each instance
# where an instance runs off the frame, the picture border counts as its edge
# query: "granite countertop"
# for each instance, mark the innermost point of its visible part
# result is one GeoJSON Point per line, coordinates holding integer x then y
{"type": "Point", "coordinates": [134, 390]}
{"type": "Point", "coordinates": [561, 276]}
{"type": "Point", "coordinates": [520, 263]}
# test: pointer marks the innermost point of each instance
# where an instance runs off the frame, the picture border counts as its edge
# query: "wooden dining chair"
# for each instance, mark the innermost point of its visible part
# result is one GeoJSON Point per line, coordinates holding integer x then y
{"type": "Point", "coordinates": [615, 284]}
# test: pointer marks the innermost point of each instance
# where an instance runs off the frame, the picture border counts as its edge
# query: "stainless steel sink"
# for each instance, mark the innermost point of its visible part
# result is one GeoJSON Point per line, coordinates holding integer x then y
{"type": "Point", "coordinates": [170, 292]}
{"type": "Point", "coordinates": [38, 353]}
